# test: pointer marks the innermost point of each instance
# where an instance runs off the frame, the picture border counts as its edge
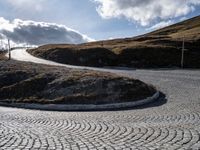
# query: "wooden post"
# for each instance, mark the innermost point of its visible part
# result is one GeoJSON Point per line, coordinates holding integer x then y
{"type": "Point", "coordinates": [1, 44]}
{"type": "Point", "coordinates": [182, 55]}
{"type": "Point", "coordinates": [102, 44]}
{"type": "Point", "coordinates": [9, 54]}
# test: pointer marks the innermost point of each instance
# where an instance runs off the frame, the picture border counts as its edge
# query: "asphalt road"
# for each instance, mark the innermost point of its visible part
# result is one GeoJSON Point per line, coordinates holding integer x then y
{"type": "Point", "coordinates": [171, 123]}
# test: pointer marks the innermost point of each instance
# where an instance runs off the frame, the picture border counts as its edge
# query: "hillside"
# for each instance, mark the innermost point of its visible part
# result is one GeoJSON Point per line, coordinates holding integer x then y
{"type": "Point", "coordinates": [189, 29]}
{"type": "Point", "coordinates": [161, 48]}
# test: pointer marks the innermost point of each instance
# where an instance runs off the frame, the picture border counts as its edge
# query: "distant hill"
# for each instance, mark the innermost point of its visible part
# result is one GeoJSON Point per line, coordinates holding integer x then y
{"type": "Point", "coordinates": [190, 29]}
{"type": "Point", "coordinates": [160, 48]}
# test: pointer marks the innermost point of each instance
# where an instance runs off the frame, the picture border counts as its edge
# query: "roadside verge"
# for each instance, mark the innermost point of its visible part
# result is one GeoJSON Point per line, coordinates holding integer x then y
{"type": "Point", "coordinates": [89, 107]}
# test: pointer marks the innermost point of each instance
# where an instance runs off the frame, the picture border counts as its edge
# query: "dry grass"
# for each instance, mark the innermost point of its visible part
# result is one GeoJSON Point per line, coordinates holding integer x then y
{"type": "Point", "coordinates": [189, 29]}
{"type": "Point", "coordinates": [34, 83]}
{"type": "Point", "coordinates": [2, 56]}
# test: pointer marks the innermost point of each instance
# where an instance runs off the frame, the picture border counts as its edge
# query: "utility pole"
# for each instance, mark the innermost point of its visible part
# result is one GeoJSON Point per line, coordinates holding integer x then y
{"type": "Point", "coordinates": [9, 54]}
{"type": "Point", "coordinates": [183, 51]}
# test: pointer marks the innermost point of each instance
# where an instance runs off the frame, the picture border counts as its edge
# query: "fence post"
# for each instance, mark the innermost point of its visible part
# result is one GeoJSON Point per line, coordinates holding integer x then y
{"type": "Point", "coordinates": [182, 55]}
{"type": "Point", "coordinates": [9, 54]}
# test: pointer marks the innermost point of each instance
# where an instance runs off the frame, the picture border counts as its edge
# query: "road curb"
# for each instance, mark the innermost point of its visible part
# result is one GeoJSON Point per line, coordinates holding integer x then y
{"type": "Point", "coordinates": [87, 107]}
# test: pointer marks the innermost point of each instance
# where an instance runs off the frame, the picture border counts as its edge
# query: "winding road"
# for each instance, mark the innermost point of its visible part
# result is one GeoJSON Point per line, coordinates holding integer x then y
{"type": "Point", "coordinates": [171, 123]}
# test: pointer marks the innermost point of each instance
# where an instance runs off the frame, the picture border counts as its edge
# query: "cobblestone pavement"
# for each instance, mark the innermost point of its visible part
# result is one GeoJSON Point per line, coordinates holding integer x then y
{"type": "Point", "coordinates": [174, 124]}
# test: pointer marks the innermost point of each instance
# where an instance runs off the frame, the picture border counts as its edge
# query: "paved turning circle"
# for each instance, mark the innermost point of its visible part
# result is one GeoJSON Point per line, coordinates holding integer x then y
{"type": "Point", "coordinates": [171, 125]}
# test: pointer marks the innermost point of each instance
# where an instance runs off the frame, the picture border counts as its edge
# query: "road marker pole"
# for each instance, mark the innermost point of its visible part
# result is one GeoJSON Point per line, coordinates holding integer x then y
{"type": "Point", "coordinates": [182, 55]}
{"type": "Point", "coordinates": [1, 44]}
{"type": "Point", "coordinates": [9, 54]}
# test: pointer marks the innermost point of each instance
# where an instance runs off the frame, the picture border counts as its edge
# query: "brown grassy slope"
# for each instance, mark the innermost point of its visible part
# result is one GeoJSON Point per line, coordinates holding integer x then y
{"type": "Point", "coordinates": [189, 29]}
{"type": "Point", "coordinates": [34, 83]}
{"type": "Point", "coordinates": [161, 48]}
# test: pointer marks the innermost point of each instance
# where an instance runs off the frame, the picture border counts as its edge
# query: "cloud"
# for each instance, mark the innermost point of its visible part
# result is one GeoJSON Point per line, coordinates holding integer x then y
{"type": "Point", "coordinates": [145, 12]}
{"type": "Point", "coordinates": [161, 25]}
{"type": "Point", "coordinates": [39, 33]}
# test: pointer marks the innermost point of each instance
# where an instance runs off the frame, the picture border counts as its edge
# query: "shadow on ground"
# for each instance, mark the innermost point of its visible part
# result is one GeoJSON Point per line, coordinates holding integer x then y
{"type": "Point", "coordinates": [159, 102]}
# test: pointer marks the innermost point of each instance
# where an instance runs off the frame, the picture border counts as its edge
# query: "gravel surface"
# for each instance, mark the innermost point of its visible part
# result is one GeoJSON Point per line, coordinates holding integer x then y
{"type": "Point", "coordinates": [171, 123]}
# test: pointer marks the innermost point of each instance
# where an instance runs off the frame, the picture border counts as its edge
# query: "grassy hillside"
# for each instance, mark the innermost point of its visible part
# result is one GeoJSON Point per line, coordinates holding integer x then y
{"type": "Point", "coordinates": [190, 29]}
{"type": "Point", "coordinates": [161, 48]}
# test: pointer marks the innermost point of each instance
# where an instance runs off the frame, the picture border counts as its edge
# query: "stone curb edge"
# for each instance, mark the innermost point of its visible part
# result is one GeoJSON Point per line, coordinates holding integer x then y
{"type": "Point", "coordinates": [90, 107]}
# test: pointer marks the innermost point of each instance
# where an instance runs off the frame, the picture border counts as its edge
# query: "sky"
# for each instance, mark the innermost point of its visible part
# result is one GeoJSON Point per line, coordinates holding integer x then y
{"type": "Point", "coordinates": [76, 21]}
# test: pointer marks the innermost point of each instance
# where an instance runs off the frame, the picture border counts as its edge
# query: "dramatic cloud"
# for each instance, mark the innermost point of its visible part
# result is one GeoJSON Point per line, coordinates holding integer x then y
{"type": "Point", "coordinates": [145, 11]}
{"type": "Point", "coordinates": [38, 33]}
